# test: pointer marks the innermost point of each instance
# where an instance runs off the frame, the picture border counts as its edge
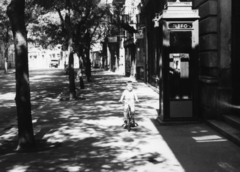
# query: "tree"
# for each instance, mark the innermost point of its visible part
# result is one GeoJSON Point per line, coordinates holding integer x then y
{"type": "Point", "coordinates": [90, 30]}
{"type": "Point", "coordinates": [64, 6]}
{"type": "Point", "coordinates": [15, 12]}
{"type": "Point", "coordinates": [85, 17]}
{"type": "Point", "coordinates": [69, 39]}
{"type": "Point", "coordinates": [79, 22]}
{"type": "Point", "coordinates": [45, 31]}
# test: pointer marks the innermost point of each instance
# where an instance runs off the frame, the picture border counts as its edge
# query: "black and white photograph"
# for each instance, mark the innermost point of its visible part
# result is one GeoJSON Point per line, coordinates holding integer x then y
{"type": "Point", "coordinates": [119, 86]}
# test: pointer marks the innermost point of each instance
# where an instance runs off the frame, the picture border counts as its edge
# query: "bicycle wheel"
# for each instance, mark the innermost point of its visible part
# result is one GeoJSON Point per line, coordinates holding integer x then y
{"type": "Point", "coordinates": [129, 120]}
{"type": "Point", "coordinates": [129, 125]}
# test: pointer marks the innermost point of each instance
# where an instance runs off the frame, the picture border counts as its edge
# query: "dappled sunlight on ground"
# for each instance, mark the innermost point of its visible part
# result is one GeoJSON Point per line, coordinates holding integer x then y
{"type": "Point", "coordinates": [7, 96]}
{"type": "Point", "coordinates": [86, 134]}
{"type": "Point", "coordinates": [90, 131]}
{"type": "Point", "coordinates": [200, 147]}
{"type": "Point", "coordinates": [209, 138]}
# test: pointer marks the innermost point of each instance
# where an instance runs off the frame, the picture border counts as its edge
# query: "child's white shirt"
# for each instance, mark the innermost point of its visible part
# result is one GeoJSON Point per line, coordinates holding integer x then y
{"type": "Point", "coordinates": [129, 96]}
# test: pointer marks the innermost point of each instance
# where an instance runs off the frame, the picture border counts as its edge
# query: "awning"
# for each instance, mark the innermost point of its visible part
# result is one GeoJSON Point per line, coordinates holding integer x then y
{"type": "Point", "coordinates": [128, 28]}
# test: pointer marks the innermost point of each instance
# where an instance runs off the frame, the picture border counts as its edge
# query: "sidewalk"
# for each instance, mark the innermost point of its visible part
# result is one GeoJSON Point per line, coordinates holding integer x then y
{"type": "Point", "coordinates": [89, 136]}
{"type": "Point", "coordinates": [10, 71]}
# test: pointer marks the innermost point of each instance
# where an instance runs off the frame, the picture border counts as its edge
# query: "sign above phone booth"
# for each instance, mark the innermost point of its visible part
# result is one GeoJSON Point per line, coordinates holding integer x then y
{"type": "Point", "coordinates": [178, 84]}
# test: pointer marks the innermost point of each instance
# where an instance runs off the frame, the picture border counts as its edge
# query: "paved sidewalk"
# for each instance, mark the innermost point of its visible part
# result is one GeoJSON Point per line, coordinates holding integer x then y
{"type": "Point", "coordinates": [89, 136]}
{"type": "Point", "coordinates": [10, 71]}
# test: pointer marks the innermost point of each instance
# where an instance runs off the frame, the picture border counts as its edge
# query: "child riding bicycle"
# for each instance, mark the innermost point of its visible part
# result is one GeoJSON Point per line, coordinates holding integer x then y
{"type": "Point", "coordinates": [128, 98]}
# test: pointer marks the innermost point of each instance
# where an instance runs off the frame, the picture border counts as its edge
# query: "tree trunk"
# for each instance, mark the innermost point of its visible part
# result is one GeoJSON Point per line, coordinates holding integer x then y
{"type": "Point", "coordinates": [88, 62]}
{"type": "Point", "coordinates": [15, 12]}
{"type": "Point", "coordinates": [80, 55]}
{"type": "Point", "coordinates": [6, 45]}
{"type": "Point", "coordinates": [72, 91]}
{"type": "Point", "coordinates": [88, 65]}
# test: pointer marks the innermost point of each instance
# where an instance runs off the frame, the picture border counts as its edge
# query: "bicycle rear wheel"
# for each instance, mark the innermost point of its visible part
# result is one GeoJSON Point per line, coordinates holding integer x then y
{"type": "Point", "coordinates": [128, 125]}
{"type": "Point", "coordinates": [129, 120]}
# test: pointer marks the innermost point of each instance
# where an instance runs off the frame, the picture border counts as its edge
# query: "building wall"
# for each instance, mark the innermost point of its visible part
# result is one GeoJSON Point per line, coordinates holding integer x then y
{"type": "Point", "coordinates": [235, 47]}
{"type": "Point", "coordinates": [214, 57]}
{"type": "Point", "coordinates": [152, 41]}
{"type": "Point", "coordinates": [11, 57]}
{"type": "Point", "coordinates": [96, 59]}
{"type": "Point", "coordinates": [217, 71]}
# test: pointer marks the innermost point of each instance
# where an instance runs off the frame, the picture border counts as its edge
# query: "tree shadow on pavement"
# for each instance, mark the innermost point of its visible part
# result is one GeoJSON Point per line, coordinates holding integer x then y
{"type": "Point", "coordinates": [88, 132]}
{"type": "Point", "coordinates": [199, 148]}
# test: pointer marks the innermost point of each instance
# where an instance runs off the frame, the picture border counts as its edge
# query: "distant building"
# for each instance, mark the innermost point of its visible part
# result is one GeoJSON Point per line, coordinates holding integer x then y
{"type": "Point", "coordinates": [41, 58]}
{"type": "Point", "coordinates": [11, 57]}
{"type": "Point", "coordinates": [96, 58]}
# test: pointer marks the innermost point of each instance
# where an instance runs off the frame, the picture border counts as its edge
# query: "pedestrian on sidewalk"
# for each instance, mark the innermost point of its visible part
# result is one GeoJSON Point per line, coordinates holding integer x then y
{"type": "Point", "coordinates": [80, 78]}
{"type": "Point", "coordinates": [5, 65]}
{"type": "Point", "coordinates": [128, 98]}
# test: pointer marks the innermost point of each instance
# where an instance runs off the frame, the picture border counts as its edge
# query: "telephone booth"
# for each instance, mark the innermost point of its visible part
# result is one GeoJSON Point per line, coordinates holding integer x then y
{"type": "Point", "coordinates": [178, 62]}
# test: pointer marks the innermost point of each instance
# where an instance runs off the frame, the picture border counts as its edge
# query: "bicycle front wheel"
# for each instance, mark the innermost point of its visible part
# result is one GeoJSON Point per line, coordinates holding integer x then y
{"type": "Point", "coordinates": [129, 119]}
{"type": "Point", "coordinates": [129, 124]}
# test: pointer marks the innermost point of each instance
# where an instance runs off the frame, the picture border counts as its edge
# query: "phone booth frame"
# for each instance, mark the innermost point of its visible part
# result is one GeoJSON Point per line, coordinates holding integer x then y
{"type": "Point", "coordinates": [178, 85]}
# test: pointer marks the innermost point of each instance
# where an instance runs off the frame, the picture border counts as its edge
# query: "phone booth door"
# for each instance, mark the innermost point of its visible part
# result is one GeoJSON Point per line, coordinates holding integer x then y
{"type": "Point", "coordinates": [180, 81]}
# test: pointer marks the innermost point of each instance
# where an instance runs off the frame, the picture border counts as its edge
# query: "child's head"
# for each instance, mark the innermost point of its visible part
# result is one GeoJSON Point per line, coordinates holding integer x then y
{"type": "Point", "coordinates": [129, 86]}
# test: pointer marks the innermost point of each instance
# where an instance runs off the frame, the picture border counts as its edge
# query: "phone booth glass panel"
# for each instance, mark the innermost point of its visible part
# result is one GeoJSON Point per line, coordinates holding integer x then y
{"type": "Point", "coordinates": [179, 78]}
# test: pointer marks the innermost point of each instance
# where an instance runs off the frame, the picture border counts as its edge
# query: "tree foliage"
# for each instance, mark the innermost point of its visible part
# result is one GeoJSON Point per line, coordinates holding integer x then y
{"type": "Point", "coordinates": [81, 21]}
{"type": "Point", "coordinates": [85, 16]}
{"type": "Point", "coordinates": [46, 30]}
{"type": "Point", "coordinates": [31, 14]}
{"type": "Point", "coordinates": [5, 34]}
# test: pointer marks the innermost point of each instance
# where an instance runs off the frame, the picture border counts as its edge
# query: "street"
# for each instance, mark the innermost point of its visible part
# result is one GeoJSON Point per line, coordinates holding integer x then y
{"type": "Point", "coordinates": [86, 134]}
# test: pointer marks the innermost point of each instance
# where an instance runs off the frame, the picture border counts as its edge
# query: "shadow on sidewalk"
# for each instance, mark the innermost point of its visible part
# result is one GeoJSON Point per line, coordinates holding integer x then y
{"type": "Point", "coordinates": [199, 148]}
{"type": "Point", "coordinates": [89, 131]}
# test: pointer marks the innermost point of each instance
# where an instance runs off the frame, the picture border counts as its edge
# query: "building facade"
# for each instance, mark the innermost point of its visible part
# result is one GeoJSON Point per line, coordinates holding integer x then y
{"type": "Point", "coordinates": [215, 66]}
{"type": "Point", "coordinates": [10, 61]}
{"type": "Point", "coordinates": [215, 58]}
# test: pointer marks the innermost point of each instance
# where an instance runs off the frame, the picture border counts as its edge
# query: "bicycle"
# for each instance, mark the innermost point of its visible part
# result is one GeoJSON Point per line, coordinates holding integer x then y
{"type": "Point", "coordinates": [130, 119]}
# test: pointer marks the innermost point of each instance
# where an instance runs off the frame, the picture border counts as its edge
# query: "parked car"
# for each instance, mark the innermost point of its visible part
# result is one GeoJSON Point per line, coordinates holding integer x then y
{"type": "Point", "coordinates": [54, 63]}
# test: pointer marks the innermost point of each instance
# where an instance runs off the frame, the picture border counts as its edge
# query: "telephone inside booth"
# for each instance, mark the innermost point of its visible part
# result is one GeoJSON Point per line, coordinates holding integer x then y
{"type": "Point", "coordinates": [178, 89]}
{"type": "Point", "coordinates": [179, 77]}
